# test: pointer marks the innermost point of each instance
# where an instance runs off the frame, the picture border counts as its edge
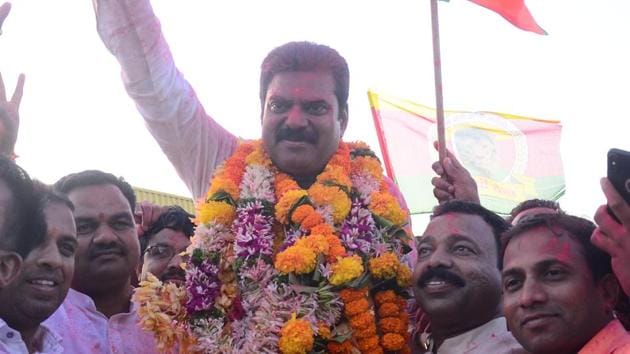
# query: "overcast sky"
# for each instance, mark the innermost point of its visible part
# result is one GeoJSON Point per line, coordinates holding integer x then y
{"type": "Point", "coordinates": [76, 115]}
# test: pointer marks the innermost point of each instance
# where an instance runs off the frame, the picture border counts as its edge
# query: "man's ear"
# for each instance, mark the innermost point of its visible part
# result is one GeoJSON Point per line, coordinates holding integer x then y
{"type": "Point", "coordinates": [609, 288]}
{"type": "Point", "coordinates": [10, 266]}
{"type": "Point", "coordinates": [343, 119]}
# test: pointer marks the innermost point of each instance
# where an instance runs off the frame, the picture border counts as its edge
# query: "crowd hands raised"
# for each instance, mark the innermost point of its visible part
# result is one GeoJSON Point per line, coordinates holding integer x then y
{"type": "Point", "coordinates": [71, 254]}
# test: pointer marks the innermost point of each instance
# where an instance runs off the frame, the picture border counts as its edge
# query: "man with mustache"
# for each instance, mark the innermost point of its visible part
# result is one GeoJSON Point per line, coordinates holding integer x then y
{"type": "Point", "coordinates": [162, 244]}
{"type": "Point", "coordinates": [98, 315]}
{"type": "Point", "coordinates": [43, 281]}
{"type": "Point", "coordinates": [559, 291]}
{"type": "Point", "coordinates": [457, 282]}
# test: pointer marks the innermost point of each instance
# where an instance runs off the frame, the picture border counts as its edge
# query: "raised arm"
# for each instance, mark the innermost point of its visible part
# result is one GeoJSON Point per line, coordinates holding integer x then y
{"type": "Point", "coordinates": [194, 143]}
{"type": "Point", "coordinates": [613, 233]}
{"type": "Point", "coordinates": [453, 180]}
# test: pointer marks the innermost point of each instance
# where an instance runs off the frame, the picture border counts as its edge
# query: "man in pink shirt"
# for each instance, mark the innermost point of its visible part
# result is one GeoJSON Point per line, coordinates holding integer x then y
{"type": "Point", "coordinates": [98, 315]}
{"type": "Point", "coordinates": [559, 291]}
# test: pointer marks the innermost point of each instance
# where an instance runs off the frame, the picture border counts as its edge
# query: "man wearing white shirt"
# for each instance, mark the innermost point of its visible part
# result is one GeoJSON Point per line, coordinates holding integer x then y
{"type": "Point", "coordinates": [98, 315]}
{"type": "Point", "coordinates": [40, 228]}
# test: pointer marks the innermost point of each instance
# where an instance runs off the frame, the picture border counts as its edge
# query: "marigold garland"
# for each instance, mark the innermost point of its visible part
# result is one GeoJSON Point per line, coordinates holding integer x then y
{"type": "Point", "coordinates": [296, 336]}
{"type": "Point", "coordinates": [265, 245]}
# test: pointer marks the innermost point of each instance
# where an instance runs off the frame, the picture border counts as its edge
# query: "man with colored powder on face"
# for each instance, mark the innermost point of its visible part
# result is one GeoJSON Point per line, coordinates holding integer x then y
{"type": "Point", "coordinates": [457, 282]}
{"type": "Point", "coordinates": [559, 291]}
{"type": "Point", "coordinates": [22, 234]}
{"type": "Point", "coordinates": [162, 245]}
{"type": "Point", "coordinates": [44, 279]}
{"type": "Point", "coordinates": [98, 315]}
{"type": "Point", "coordinates": [304, 90]}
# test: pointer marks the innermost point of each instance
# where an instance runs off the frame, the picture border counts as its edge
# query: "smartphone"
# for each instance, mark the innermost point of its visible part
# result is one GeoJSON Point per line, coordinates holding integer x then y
{"type": "Point", "coordinates": [619, 172]}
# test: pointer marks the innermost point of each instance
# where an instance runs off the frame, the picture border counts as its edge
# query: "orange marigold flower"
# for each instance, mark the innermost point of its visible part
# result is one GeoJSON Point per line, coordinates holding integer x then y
{"type": "Point", "coordinates": [346, 269]}
{"type": "Point", "coordinates": [356, 307]}
{"type": "Point", "coordinates": [358, 145]}
{"type": "Point", "coordinates": [344, 347]}
{"type": "Point", "coordinates": [333, 196]}
{"type": "Point", "coordinates": [365, 333]}
{"type": "Point", "coordinates": [385, 266]}
{"type": "Point", "coordinates": [389, 309]}
{"type": "Point", "coordinates": [258, 157]}
{"type": "Point", "coordinates": [392, 325]}
{"type": "Point", "coordinates": [350, 294]}
{"type": "Point", "coordinates": [287, 202]}
{"type": "Point", "coordinates": [335, 250]}
{"type": "Point", "coordinates": [214, 211]}
{"type": "Point", "coordinates": [403, 278]}
{"type": "Point", "coordinates": [361, 321]}
{"type": "Point", "coordinates": [301, 212]}
{"type": "Point", "coordinates": [300, 260]}
{"type": "Point", "coordinates": [405, 349]}
{"type": "Point", "coordinates": [296, 337]}
{"type": "Point", "coordinates": [341, 157]}
{"type": "Point", "coordinates": [385, 296]}
{"type": "Point", "coordinates": [323, 229]}
{"type": "Point", "coordinates": [317, 243]}
{"type": "Point", "coordinates": [335, 175]}
{"type": "Point", "coordinates": [284, 183]}
{"type": "Point", "coordinates": [377, 350]}
{"type": "Point", "coordinates": [369, 165]}
{"type": "Point", "coordinates": [324, 331]}
{"type": "Point", "coordinates": [311, 221]}
{"type": "Point", "coordinates": [226, 185]}
{"type": "Point", "coordinates": [386, 206]}
{"type": "Point", "coordinates": [368, 343]}
{"type": "Point", "coordinates": [393, 342]}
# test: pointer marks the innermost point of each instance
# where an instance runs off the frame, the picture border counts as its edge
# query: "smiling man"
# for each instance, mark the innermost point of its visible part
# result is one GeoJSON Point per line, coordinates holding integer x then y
{"type": "Point", "coordinates": [162, 244]}
{"type": "Point", "coordinates": [44, 279]}
{"type": "Point", "coordinates": [457, 282]}
{"type": "Point", "coordinates": [98, 315]}
{"type": "Point", "coordinates": [559, 290]}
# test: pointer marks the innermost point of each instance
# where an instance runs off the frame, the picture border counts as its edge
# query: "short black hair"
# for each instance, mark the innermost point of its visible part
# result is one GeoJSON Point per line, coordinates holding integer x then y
{"type": "Point", "coordinates": [23, 228]}
{"type": "Point", "coordinates": [579, 229]}
{"type": "Point", "coordinates": [95, 178]}
{"type": "Point", "coordinates": [174, 218]}
{"type": "Point", "coordinates": [531, 204]}
{"type": "Point", "coordinates": [496, 223]}
{"type": "Point", "coordinates": [306, 56]}
{"type": "Point", "coordinates": [46, 195]}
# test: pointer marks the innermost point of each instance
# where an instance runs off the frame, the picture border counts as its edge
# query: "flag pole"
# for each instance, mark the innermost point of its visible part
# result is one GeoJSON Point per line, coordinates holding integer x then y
{"type": "Point", "coordinates": [437, 71]}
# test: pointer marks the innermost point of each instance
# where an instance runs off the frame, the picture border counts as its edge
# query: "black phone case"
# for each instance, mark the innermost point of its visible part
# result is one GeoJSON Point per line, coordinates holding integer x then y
{"type": "Point", "coordinates": [619, 172]}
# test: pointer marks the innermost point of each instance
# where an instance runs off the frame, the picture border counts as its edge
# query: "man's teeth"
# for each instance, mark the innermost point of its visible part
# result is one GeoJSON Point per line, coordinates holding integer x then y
{"type": "Point", "coordinates": [43, 282]}
{"type": "Point", "coordinates": [436, 282]}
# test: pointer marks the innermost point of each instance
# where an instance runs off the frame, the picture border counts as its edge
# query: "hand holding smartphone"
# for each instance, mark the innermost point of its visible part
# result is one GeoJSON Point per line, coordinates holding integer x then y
{"type": "Point", "coordinates": [619, 174]}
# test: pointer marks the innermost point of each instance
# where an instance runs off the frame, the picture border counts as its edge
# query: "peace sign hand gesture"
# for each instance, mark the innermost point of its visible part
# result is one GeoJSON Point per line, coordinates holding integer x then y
{"type": "Point", "coordinates": [9, 116]}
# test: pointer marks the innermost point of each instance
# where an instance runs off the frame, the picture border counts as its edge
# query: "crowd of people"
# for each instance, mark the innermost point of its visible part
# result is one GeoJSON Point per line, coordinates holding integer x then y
{"type": "Point", "coordinates": [72, 254]}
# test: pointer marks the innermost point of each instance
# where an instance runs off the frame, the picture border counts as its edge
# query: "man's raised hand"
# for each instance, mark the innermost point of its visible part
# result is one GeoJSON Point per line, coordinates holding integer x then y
{"type": "Point", "coordinates": [9, 116]}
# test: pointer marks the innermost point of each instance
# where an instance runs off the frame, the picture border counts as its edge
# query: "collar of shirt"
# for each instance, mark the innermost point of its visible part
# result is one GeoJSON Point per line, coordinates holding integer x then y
{"type": "Point", "coordinates": [491, 337]}
{"type": "Point", "coordinates": [11, 340]}
{"type": "Point", "coordinates": [613, 338]}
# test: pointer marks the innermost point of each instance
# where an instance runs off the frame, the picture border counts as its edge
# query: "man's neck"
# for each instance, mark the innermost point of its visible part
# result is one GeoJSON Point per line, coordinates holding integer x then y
{"type": "Point", "coordinates": [32, 339]}
{"type": "Point", "coordinates": [111, 301]}
{"type": "Point", "coordinates": [442, 332]}
{"type": "Point", "coordinates": [305, 182]}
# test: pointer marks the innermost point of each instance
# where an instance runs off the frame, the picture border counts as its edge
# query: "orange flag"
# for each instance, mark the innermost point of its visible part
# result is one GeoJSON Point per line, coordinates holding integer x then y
{"type": "Point", "coordinates": [514, 11]}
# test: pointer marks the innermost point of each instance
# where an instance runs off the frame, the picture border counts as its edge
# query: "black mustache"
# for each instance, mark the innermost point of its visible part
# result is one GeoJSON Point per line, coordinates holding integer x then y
{"type": "Point", "coordinates": [296, 135]}
{"type": "Point", "coordinates": [174, 273]}
{"type": "Point", "coordinates": [443, 274]}
{"type": "Point", "coordinates": [99, 249]}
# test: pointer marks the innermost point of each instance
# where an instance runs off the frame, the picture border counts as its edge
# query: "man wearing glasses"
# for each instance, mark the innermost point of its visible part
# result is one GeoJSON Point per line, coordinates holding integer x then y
{"type": "Point", "coordinates": [162, 244]}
